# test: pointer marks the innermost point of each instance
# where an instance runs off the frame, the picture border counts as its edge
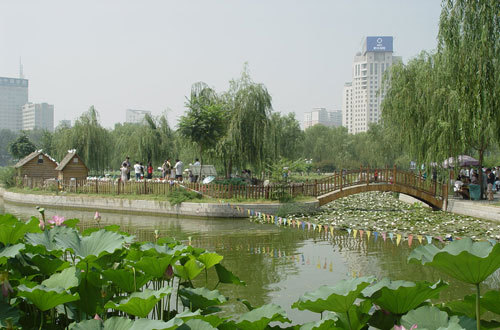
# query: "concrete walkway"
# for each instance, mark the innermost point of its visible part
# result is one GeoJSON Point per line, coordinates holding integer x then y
{"type": "Point", "coordinates": [479, 209]}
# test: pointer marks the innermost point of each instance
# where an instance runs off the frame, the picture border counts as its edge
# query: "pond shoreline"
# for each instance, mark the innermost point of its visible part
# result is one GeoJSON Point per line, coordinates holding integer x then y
{"type": "Point", "coordinates": [139, 206]}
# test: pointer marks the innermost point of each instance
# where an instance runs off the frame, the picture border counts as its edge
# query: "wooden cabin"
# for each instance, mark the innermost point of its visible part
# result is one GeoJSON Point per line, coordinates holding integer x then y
{"type": "Point", "coordinates": [72, 166]}
{"type": "Point", "coordinates": [37, 165]}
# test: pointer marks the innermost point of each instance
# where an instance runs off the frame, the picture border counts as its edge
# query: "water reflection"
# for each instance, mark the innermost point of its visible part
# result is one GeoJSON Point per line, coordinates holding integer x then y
{"type": "Point", "coordinates": [278, 264]}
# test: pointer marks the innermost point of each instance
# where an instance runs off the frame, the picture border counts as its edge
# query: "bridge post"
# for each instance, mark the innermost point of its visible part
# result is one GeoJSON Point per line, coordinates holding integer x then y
{"type": "Point", "coordinates": [368, 176]}
{"type": "Point", "coordinates": [315, 192]}
{"type": "Point", "coordinates": [394, 175]}
{"type": "Point", "coordinates": [341, 178]}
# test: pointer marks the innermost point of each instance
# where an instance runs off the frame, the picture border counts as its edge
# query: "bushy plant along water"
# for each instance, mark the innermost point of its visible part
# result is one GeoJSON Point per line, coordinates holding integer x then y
{"type": "Point", "coordinates": [54, 276]}
{"type": "Point", "coordinates": [383, 212]}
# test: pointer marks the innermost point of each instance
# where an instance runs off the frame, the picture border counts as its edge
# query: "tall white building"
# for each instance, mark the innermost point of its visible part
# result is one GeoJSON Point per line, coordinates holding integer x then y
{"type": "Point", "coordinates": [135, 116]}
{"type": "Point", "coordinates": [323, 117]}
{"type": "Point", "coordinates": [13, 95]}
{"type": "Point", "coordinates": [362, 97]}
{"type": "Point", "coordinates": [38, 116]}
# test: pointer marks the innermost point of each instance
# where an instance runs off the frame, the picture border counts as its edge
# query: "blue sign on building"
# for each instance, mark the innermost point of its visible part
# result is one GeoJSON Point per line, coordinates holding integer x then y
{"type": "Point", "coordinates": [379, 44]}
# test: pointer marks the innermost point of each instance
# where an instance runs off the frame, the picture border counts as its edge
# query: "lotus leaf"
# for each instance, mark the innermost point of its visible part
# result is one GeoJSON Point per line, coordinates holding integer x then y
{"type": "Point", "coordinates": [68, 278]}
{"type": "Point", "coordinates": [71, 223]}
{"type": "Point", "coordinates": [101, 241]}
{"type": "Point", "coordinates": [7, 312]}
{"type": "Point", "coordinates": [46, 298]}
{"type": "Point", "coordinates": [226, 276]}
{"type": "Point", "coordinates": [47, 237]}
{"type": "Point", "coordinates": [119, 323]}
{"type": "Point", "coordinates": [358, 316]}
{"type": "Point", "coordinates": [10, 252]}
{"type": "Point", "coordinates": [189, 270]}
{"type": "Point", "coordinates": [154, 266]}
{"type": "Point", "coordinates": [430, 318]}
{"type": "Point", "coordinates": [491, 301]}
{"type": "Point", "coordinates": [320, 325]}
{"type": "Point", "coordinates": [48, 264]}
{"type": "Point", "coordinates": [139, 303]}
{"type": "Point", "coordinates": [338, 298]}
{"type": "Point", "coordinates": [399, 297]}
{"type": "Point", "coordinates": [465, 260]}
{"type": "Point", "coordinates": [91, 299]}
{"type": "Point", "coordinates": [196, 324]}
{"type": "Point", "coordinates": [156, 249]}
{"type": "Point", "coordinates": [466, 306]}
{"type": "Point", "coordinates": [258, 318]}
{"type": "Point", "coordinates": [202, 298]}
{"type": "Point", "coordinates": [12, 229]}
{"type": "Point", "coordinates": [125, 280]}
{"type": "Point", "coordinates": [210, 259]}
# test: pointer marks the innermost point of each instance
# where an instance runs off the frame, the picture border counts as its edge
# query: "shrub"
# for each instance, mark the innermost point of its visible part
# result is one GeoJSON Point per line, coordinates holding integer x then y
{"type": "Point", "coordinates": [7, 176]}
{"type": "Point", "coordinates": [180, 195]}
{"type": "Point", "coordinates": [296, 209]}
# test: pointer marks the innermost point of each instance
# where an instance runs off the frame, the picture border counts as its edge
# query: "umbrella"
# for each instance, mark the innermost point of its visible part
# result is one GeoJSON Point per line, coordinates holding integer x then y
{"type": "Point", "coordinates": [463, 160]}
{"type": "Point", "coordinates": [208, 179]}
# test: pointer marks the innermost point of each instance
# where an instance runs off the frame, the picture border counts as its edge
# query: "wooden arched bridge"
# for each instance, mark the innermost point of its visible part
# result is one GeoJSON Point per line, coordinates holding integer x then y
{"type": "Point", "coordinates": [353, 182]}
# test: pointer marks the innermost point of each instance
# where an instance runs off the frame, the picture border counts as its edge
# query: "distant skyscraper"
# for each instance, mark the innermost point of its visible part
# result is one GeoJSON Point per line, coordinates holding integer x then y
{"type": "Point", "coordinates": [362, 97]}
{"type": "Point", "coordinates": [136, 116]}
{"type": "Point", "coordinates": [38, 116]}
{"type": "Point", "coordinates": [13, 95]}
{"type": "Point", "coordinates": [323, 117]}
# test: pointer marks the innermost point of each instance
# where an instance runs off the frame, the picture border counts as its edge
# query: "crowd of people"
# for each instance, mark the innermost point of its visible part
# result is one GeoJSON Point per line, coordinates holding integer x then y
{"type": "Point", "coordinates": [469, 176]}
{"type": "Point", "coordinates": [141, 171]}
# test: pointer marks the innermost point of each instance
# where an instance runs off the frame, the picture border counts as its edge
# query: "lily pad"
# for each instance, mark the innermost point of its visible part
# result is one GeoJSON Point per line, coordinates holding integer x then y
{"type": "Point", "coordinates": [12, 230]}
{"type": "Point", "coordinates": [465, 260]}
{"type": "Point", "coordinates": [46, 298]}
{"type": "Point", "coordinates": [210, 259]}
{"type": "Point", "coordinates": [399, 297]}
{"type": "Point", "coordinates": [139, 303]}
{"type": "Point", "coordinates": [338, 298]}
{"type": "Point", "coordinates": [68, 278]}
{"type": "Point", "coordinates": [101, 241]}
{"type": "Point", "coordinates": [430, 318]}
{"type": "Point", "coordinates": [258, 319]}
{"type": "Point", "coordinates": [154, 266]}
{"type": "Point", "coordinates": [226, 276]}
{"type": "Point", "coordinates": [202, 298]}
{"type": "Point", "coordinates": [47, 237]}
{"type": "Point", "coordinates": [9, 252]}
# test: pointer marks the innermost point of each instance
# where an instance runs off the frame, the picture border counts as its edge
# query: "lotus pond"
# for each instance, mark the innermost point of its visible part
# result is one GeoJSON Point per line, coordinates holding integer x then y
{"type": "Point", "coordinates": [279, 265]}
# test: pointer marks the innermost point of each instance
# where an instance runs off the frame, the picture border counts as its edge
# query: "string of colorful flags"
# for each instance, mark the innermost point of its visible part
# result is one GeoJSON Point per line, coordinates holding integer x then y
{"type": "Point", "coordinates": [329, 229]}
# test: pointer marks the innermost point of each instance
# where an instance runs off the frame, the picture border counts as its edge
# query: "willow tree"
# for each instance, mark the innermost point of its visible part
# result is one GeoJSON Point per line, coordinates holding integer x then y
{"type": "Point", "coordinates": [249, 106]}
{"type": "Point", "coordinates": [469, 42]}
{"type": "Point", "coordinates": [204, 124]}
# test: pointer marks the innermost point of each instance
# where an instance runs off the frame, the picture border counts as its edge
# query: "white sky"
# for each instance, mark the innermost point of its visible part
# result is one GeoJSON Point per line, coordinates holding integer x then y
{"type": "Point", "coordinates": [146, 54]}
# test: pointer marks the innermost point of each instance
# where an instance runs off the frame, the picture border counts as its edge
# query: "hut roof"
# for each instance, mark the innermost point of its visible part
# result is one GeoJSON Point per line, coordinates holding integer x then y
{"type": "Point", "coordinates": [31, 156]}
{"type": "Point", "coordinates": [69, 156]}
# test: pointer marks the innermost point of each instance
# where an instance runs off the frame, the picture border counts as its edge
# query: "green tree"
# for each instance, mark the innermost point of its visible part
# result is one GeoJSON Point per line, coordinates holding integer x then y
{"type": "Point", "coordinates": [284, 137]}
{"type": "Point", "coordinates": [204, 124]}
{"type": "Point", "coordinates": [6, 136]}
{"type": "Point", "coordinates": [21, 147]}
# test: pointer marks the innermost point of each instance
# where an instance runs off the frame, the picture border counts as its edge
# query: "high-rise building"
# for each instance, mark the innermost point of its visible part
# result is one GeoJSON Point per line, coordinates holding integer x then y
{"type": "Point", "coordinates": [362, 97]}
{"type": "Point", "coordinates": [13, 95]}
{"type": "Point", "coordinates": [323, 117]}
{"type": "Point", "coordinates": [38, 116]}
{"type": "Point", "coordinates": [135, 116]}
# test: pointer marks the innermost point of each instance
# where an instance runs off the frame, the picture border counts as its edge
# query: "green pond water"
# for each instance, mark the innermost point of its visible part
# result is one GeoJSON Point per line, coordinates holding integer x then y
{"type": "Point", "coordinates": [278, 264]}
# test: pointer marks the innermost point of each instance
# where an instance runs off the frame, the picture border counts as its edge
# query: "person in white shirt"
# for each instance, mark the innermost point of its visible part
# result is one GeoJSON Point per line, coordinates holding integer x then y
{"type": "Point", "coordinates": [196, 163]}
{"type": "Point", "coordinates": [137, 169]}
{"type": "Point", "coordinates": [179, 167]}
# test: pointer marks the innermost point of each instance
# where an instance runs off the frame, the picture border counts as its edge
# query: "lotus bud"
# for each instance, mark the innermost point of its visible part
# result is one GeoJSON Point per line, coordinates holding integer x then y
{"type": "Point", "coordinates": [41, 224]}
{"type": "Point", "coordinates": [169, 272]}
{"type": "Point", "coordinates": [97, 317]}
{"type": "Point", "coordinates": [6, 287]}
{"type": "Point", "coordinates": [97, 217]}
{"type": "Point", "coordinates": [157, 234]}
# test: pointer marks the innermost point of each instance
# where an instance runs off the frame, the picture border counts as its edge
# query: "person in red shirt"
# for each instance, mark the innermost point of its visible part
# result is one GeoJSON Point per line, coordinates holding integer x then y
{"type": "Point", "coordinates": [150, 170]}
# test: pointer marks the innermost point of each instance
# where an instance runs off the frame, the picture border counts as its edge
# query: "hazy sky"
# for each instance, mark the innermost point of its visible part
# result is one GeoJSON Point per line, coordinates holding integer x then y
{"type": "Point", "coordinates": [146, 54]}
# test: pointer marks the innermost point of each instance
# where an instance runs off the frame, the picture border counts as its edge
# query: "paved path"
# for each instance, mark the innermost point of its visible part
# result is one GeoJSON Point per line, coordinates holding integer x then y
{"type": "Point", "coordinates": [478, 209]}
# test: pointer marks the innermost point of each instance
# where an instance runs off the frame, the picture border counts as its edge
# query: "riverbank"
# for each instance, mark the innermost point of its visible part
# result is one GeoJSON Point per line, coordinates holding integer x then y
{"type": "Point", "coordinates": [141, 206]}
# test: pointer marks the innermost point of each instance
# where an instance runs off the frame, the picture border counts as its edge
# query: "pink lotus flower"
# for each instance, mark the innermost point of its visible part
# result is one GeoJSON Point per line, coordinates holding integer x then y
{"type": "Point", "coordinates": [6, 287]}
{"type": "Point", "coordinates": [57, 220]}
{"type": "Point", "coordinates": [400, 327]}
{"type": "Point", "coordinates": [41, 224]}
{"type": "Point", "coordinates": [97, 317]}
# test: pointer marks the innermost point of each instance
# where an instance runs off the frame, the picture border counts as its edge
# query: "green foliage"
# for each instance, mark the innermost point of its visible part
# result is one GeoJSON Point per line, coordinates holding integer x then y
{"type": "Point", "coordinates": [296, 209]}
{"type": "Point", "coordinates": [7, 176]}
{"type": "Point", "coordinates": [180, 195]}
{"type": "Point", "coordinates": [21, 147]}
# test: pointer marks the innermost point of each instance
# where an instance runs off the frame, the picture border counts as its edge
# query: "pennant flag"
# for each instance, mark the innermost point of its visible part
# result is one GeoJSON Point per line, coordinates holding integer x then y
{"type": "Point", "coordinates": [318, 265]}
{"type": "Point", "coordinates": [354, 233]}
{"type": "Point", "coordinates": [293, 223]}
{"type": "Point", "coordinates": [324, 265]}
{"type": "Point", "coordinates": [319, 226]}
{"type": "Point", "coordinates": [398, 239]}
{"type": "Point", "coordinates": [375, 235]}
{"type": "Point", "coordinates": [368, 233]}
{"type": "Point", "coordinates": [419, 237]}
{"type": "Point", "coordinates": [429, 239]}
{"type": "Point", "coordinates": [391, 236]}
{"type": "Point", "coordinates": [303, 225]}
{"type": "Point", "coordinates": [279, 220]}
{"type": "Point", "coordinates": [492, 241]}
{"type": "Point", "coordinates": [410, 239]}
{"type": "Point", "coordinates": [275, 253]}
{"type": "Point", "coordinates": [284, 221]}
{"type": "Point", "coordinates": [308, 226]}
{"type": "Point", "coordinates": [440, 239]}
{"type": "Point", "coordinates": [361, 231]}
{"type": "Point", "coordinates": [331, 267]}
{"type": "Point", "coordinates": [331, 230]}
{"type": "Point", "coordinates": [302, 258]}
{"type": "Point", "coordinates": [248, 212]}
{"type": "Point", "coordinates": [314, 226]}
{"type": "Point", "coordinates": [349, 231]}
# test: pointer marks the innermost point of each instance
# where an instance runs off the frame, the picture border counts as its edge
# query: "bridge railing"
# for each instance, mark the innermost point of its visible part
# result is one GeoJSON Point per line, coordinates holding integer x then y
{"type": "Point", "coordinates": [369, 176]}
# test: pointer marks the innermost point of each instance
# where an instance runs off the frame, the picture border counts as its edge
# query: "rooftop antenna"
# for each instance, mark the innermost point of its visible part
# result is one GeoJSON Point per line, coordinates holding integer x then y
{"type": "Point", "coordinates": [21, 73]}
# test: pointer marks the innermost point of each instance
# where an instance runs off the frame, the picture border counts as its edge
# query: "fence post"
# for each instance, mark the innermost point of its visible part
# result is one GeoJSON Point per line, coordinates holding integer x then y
{"type": "Point", "coordinates": [145, 187]}
{"type": "Point", "coordinates": [96, 185]}
{"type": "Point", "coordinates": [368, 176]}
{"type": "Point", "coordinates": [341, 178]}
{"type": "Point", "coordinates": [394, 175]}
{"type": "Point", "coordinates": [119, 184]}
{"type": "Point", "coordinates": [315, 191]}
